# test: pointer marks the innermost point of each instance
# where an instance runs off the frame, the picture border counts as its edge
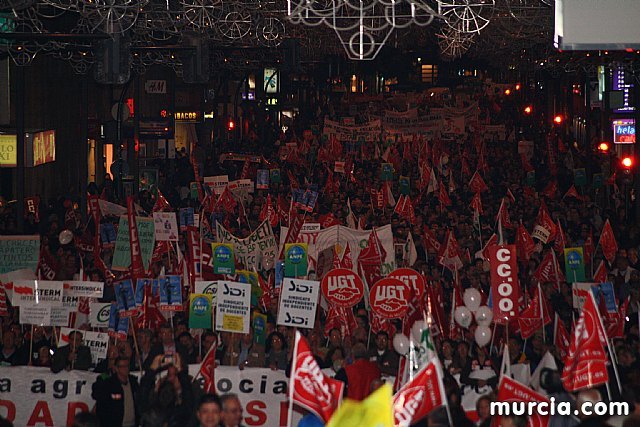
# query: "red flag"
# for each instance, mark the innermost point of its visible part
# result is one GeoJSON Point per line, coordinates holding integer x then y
{"type": "Point", "coordinates": [589, 247]}
{"type": "Point", "coordinates": [161, 204]}
{"type": "Point", "coordinates": [534, 317]}
{"type": "Point", "coordinates": [545, 229]}
{"type": "Point", "coordinates": [137, 266]}
{"type": "Point", "coordinates": [268, 212]}
{"type": "Point", "coordinates": [614, 322]}
{"type": "Point", "coordinates": [418, 397]}
{"type": "Point", "coordinates": [510, 391]}
{"type": "Point", "coordinates": [476, 204]}
{"type": "Point", "coordinates": [547, 270]}
{"type": "Point", "coordinates": [572, 192]}
{"type": "Point", "coordinates": [370, 260]}
{"type": "Point", "coordinates": [379, 324]}
{"type": "Point", "coordinates": [586, 364]}
{"type": "Point", "coordinates": [449, 255]}
{"type": "Point", "coordinates": [477, 184]}
{"type": "Point", "coordinates": [377, 198]}
{"type": "Point", "coordinates": [560, 241]}
{"type": "Point", "coordinates": [560, 337]}
{"type": "Point", "coordinates": [493, 240]}
{"type": "Point", "coordinates": [208, 368]}
{"type": "Point", "coordinates": [48, 266]}
{"type": "Point", "coordinates": [608, 242]}
{"type": "Point", "coordinates": [340, 318]}
{"type": "Point", "coordinates": [443, 197]}
{"type": "Point", "coordinates": [328, 220]}
{"type": "Point", "coordinates": [430, 239]}
{"type": "Point", "coordinates": [295, 225]}
{"type": "Point", "coordinates": [503, 215]}
{"type": "Point", "coordinates": [524, 243]}
{"type": "Point", "coordinates": [227, 201]}
{"type": "Point", "coordinates": [310, 387]}
{"type": "Point", "coordinates": [600, 275]}
{"type": "Point", "coordinates": [32, 206]}
{"type": "Point", "coordinates": [550, 190]}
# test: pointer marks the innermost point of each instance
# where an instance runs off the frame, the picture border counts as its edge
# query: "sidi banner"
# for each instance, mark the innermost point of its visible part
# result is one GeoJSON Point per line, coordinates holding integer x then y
{"type": "Point", "coordinates": [505, 289]}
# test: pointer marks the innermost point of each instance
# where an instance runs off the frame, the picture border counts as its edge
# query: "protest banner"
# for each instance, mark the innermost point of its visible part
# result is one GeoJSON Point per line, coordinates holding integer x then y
{"type": "Point", "coordinates": [505, 288]}
{"type": "Point", "coordinates": [60, 316]}
{"type": "Point", "coordinates": [200, 311]}
{"type": "Point", "coordinates": [37, 397]}
{"type": "Point", "coordinates": [336, 238]}
{"type": "Point", "coordinates": [125, 298]}
{"type": "Point", "coordinates": [166, 227]}
{"type": "Point", "coordinates": [368, 132]}
{"type": "Point", "coordinates": [233, 307]}
{"type": "Point", "coordinates": [224, 261]}
{"type": "Point", "coordinates": [99, 313]}
{"type": "Point", "coordinates": [310, 226]}
{"type": "Point", "coordinates": [295, 259]}
{"type": "Point", "coordinates": [43, 293]}
{"type": "Point", "coordinates": [256, 251]}
{"type": "Point", "coordinates": [209, 287]}
{"type": "Point", "coordinates": [240, 186]}
{"type": "Point", "coordinates": [298, 303]}
{"type": "Point", "coordinates": [170, 293]}
{"type": "Point", "coordinates": [217, 183]}
{"type": "Point", "coordinates": [122, 252]}
{"type": "Point", "coordinates": [83, 288]}
{"type": "Point", "coordinates": [19, 252]}
{"type": "Point", "coordinates": [35, 315]}
{"type": "Point", "coordinates": [342, 287]}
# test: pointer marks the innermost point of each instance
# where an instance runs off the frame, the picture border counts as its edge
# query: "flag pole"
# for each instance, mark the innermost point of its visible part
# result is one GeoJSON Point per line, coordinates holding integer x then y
{"type": "Point", "coordinates": [604, 331]}
{"type": "Point", "coordinates": [292, 379]}
{"type": "Point", "coordinates": [544, 333]}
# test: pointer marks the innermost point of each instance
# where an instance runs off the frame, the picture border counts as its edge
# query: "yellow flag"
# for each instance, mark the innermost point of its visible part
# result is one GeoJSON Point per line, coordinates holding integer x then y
{"type": "Point", "coordinates": [375, 411]}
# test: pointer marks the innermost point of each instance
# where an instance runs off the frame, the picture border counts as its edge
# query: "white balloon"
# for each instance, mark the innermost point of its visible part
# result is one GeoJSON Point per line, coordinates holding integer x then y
{"type": "Point", "coordinates": [65, 237]}
{"type": "Point", "coordinates": [417, 329]}
{"type": "Point", "coordinates": [484, 316]}
{"type": "Point", "coordinates": [463, 316]}
{"type": "Point", "coordinates": [401, 344]}
{"type": "Point", "coordinates": [483, 335]}
{"type": "Point", "coordinates": [472, 298]}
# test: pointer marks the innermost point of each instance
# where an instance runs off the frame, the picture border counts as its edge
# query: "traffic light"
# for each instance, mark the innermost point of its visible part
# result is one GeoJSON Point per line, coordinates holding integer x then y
{"type": "Point", "coordinates": [558, 119]}
{"type": "Point", "coordinates": [528, 110]}
{"type": "Point", "coordinates": [231, 125]}
{"type": "Point", "coordinates": [518, 86]}
{"type": "Point", "coordinates": [507, 92]}
{"type": "Point", "coordinates": [627, 163]}
{"type": "Point", "coordinates": [603, 147]}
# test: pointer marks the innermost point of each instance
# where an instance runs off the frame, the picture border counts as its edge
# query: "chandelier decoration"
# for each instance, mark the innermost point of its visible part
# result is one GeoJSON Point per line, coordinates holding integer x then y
{"type": "Point", "coordinates": [363, 27]}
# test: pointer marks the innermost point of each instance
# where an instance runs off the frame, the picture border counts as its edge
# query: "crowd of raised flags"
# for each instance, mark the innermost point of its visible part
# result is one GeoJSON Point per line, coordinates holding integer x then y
{"type": "Point", "coordinates": [419, 182]}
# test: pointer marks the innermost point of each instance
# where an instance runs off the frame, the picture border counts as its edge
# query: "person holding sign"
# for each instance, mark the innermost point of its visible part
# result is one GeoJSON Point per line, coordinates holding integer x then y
{"type": "Point", "coordinates": [72, 356]}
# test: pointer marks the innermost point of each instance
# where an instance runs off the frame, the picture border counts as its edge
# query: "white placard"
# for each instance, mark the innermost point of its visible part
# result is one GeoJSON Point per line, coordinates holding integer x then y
{"type": "Point", "coordinates": [99, 314]}
{"type": "Point", "coordinates": [35, 315]}
{"type": "Point", "coordinates": [310, 227]}
{"type": "Point", "coordinates": [60, 316]}
{"type": "Point", "coordinates": [298, 303]}
{"type": "Point", "coordinates": [165, 226]}
{"type": "Point", "coordinates": [233, 312]}
{"type": "Point", "coordinates": [207, 287]}
{"type": "Point", "coordinates": [98, 342]}
{"type": "Point", "coordinates": [81, 288]}
{"type": "Point", "coordinates": [217, 183]}
{"type": "Point", "coordinates": [44, 293]}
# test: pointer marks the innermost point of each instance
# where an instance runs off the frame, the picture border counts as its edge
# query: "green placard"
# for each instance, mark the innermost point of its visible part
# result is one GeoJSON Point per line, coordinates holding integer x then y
{"type": "Point", "coordinates": [19, 252]}
{"type": "Point", "coordinates": [404, 185]}
{"type": "Point", "coordinates": [580, 177]}
{"type": "Point", "coordinates": [224, 261]}
{"type": "Point", "coordinates": [193, 190]}
{"type": "Point", "coordinates": [386, 172]}
{"type": "Point", "coordinates": [598, 180]}
{"type": "Point", "coordinates": [259, 328]}
{"type": "Point", "coordinates": [275, 176]}
{"type": "Point", "coordinates": [122, 252]}
{"type": "Point", "coordinates": [574, 264]}
{"type": "Point", "coordinates": [200, 311]}
{"type": "Point", "coordinates": [295, 259]}
{"type": "Point", "coordinates": [531, 179]}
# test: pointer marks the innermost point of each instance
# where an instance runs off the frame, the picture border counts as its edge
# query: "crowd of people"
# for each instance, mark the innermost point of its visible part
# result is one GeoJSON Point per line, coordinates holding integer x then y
{"type": "Point", "coordinates": [360, 354]}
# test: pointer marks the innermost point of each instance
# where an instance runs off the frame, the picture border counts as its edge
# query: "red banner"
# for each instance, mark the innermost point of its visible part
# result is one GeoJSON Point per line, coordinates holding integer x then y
{"type": "Point", "coordinates": [137, 266]}
{"type": "Point", "coordinates": [417, 398]}
{"type": "Point", "coordinates": [511, 391]}
{"type": "Point", "coordinates": [505, 289]}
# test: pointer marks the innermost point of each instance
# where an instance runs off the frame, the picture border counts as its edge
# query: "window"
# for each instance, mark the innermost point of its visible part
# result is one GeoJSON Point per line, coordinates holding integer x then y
{"type": "Point", "coordinates": [428, 73]}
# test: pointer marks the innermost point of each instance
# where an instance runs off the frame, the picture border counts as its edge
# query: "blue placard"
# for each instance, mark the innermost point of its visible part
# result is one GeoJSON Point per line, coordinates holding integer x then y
{"type": "Point", "coordinates": [125, 298]}
{"type": "Point", "coordinates": [606, 290]}
{"type": "Point", "coordinates": [186, 218]}
{"type": "Point", "coordinates": [170, 292]}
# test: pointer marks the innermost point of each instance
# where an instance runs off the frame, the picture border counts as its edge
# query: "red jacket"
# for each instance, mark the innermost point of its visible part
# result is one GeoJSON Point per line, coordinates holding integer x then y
{"type": "Point", "coordinates": [359, 376]}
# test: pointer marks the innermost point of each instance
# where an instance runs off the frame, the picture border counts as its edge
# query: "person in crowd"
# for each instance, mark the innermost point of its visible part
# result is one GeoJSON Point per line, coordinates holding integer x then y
{"type": "Point", "coordinates": [386, 358]}
{"type": "Point", "coordinates": [209, 412]}
{"type": "Point", "coordinates": [514, 421]}
{"type": "Point", "coordinates": [587, 417]}
{"type": "Point", "coordinates": [44, 357]}
{"type": "Point", "coordinates": [116, 396]}
{"type": "Point", "coordinates": [483, 410]}
{"type": "Point", "coordinates": [479, 370]}
{"type": "Point", "coordinates": [335, 359]}
{"type": "Point", "coordinates": [189, 350]}
{"type": "Point", "coordinates": [86, 419]}
{"type": "Point", "coordinates": [515, 351]}
{"type": "Point", "coordinates": [276, 350]}
{"type": "Point", "coordinates": [146, 349]}
{"type": "Point", "coordinates": [359, 375]}
{"type": "Point", "coordinates": [231, 411]}
{"type": "Point", "coordinates": [447, 353]}
{"type": "Point", "coordinates": [74, 355]}
{"type": "Point", "coordinates": [10, 355]}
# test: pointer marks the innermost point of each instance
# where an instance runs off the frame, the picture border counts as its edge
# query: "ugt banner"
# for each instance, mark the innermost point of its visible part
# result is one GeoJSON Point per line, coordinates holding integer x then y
{"type": "Point", "coordinates": [505, 289]}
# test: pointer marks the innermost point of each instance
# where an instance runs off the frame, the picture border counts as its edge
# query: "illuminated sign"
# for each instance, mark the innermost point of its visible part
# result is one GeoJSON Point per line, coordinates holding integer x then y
{"type": "Point", "coordinates": [623, 83]}
{"type": "Point", "coordinates": [210, 115]}
{"type": "Point", "coordinates": [188, 116]}
{"type": "Point", "coordinates": [44, 147]}
{"type": "Point", "coordinates": [624, 131]}
{"type": "Point", "coordinates": [8, 149]}
{"type": "Point", "coordinates": [271, 84]}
